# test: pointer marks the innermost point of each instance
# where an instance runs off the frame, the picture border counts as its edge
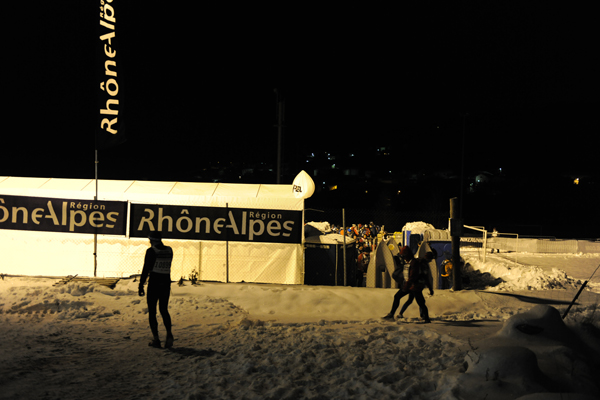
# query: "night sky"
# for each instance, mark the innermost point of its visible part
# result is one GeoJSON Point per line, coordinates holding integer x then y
{"type": "Point", "coordinates": [198, 85]}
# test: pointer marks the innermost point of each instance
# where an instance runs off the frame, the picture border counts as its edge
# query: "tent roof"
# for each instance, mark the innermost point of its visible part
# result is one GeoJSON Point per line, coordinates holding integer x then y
{"type": "Point", "coordinates": [144, 191]}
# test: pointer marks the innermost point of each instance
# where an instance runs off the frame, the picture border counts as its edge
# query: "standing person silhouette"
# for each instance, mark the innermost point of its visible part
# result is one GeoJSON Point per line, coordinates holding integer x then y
{"type": "Point", "coordinates": [157, 267]}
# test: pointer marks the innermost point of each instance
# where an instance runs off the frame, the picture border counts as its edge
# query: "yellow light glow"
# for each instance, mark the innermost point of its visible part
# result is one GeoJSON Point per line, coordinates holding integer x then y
{"type": "Point", "coordinates": [576, 181]}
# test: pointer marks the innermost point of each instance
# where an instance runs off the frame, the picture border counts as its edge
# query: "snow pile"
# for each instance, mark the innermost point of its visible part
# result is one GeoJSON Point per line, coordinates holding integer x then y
{"type": "Point", "coordinates": [316, 228]}
{"type": "Point", "coordinates": [533, 352]}
{"type": "Point", "coordinates": [251, 341]}
{"type": "Point", "coordinates": [417, 227]}
{"type": "Point", "coordinates": [506, 275]}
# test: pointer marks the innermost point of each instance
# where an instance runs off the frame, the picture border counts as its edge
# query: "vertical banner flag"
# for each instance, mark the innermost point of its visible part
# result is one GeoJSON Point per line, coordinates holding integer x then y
{"type": "Point", "coordinates": [110, 128]}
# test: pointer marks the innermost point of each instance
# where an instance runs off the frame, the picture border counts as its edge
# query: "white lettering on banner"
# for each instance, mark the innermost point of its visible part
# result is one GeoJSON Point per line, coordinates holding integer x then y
{"type": "Point", "coordinates": [86, 206]}
{"type": "Point", "coordinates": [35, 217]}
{"type": "Point", "coordinates": [52, 214]}
{"type": "Point", "coordinates": [251, 224]}
{"type": "Point", "coordinates": [233, 224]}
{"type": "Point", "coordinates": [218, 225]}
{"type": "Point", "coordinates": [111, 87]}
{"type": "Point", "coordinates": [264, 215]}
{"type": "Point", "coordinates": [77, 216]}
{"type": "Point", "coordinates": [288, 226]}
{"type": "Point", "coordinates": [15, 214]}
{"type": "Point", "coordinates": [273, 227]}
{"type": "Point", "coordinates": [162, 218]}
{"type": "Point", "coordinates": [147, 220]}
{"type": "Point", "coordinates": [260, 230]}
{"type": "Point", "coordinates": [187, 220]}
{"type": "Point", "coordinates": [206, 225]}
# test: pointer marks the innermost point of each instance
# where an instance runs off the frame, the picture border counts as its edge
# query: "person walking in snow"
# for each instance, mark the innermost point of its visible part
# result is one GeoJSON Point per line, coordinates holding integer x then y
{"type": "Point", "coordinates": [400, 275]}
{"type": "Point", "coordinates": [418, 280]}
{"type": "Point", "coordinates": [414, 280]}
{"type": "Point", "coordinates": [157, 267]}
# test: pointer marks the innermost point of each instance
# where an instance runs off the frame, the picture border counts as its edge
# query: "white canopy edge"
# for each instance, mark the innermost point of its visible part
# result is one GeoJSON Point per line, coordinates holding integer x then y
{"type": "Point", "coordinates": [156, 192]}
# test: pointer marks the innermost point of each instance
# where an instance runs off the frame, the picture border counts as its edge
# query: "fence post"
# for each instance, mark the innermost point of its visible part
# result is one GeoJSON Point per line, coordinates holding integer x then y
{"type": "Point", "coordinates": [484, 244]}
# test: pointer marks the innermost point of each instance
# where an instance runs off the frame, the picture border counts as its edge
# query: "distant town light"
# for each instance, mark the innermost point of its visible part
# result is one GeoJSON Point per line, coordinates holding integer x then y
{"type": "Point", "coordinates": [576, 181]}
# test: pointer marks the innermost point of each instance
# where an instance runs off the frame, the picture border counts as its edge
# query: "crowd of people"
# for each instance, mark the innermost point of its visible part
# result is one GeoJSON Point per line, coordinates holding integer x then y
{"type": "Point", "coordinates": [366, 242]}
{"type": "Point", "coordinates": [366, 238]}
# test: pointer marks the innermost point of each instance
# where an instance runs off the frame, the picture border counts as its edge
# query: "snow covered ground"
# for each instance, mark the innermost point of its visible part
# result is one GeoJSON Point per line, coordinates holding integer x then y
{"type": "Point", "coordinates": [502, 338]}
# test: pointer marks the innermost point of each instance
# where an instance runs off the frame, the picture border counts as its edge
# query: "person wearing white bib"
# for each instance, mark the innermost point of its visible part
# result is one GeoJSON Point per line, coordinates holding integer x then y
{"type": "Point", "coordinates": [157, 267]}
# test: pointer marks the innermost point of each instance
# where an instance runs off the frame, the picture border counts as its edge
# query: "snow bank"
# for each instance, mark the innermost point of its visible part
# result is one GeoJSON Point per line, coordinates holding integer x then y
{"type": "Point", "coordinates": [507, 275]}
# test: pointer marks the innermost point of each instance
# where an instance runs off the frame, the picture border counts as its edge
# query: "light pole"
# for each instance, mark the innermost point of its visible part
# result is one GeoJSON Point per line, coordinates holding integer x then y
{"type": "Point", "coordinates": [280, 106]}
{"type": "Point", "coordinates": [462, 165]}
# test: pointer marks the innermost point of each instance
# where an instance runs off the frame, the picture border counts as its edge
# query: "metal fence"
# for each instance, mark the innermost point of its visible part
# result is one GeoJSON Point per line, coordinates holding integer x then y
{"type": "Point", "coordinates": [542, 245]}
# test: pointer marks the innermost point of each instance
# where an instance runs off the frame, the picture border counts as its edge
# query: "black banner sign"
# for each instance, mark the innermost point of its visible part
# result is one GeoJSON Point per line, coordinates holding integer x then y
{"type": "Point", "coordinates": [216, 223]}
{"type": "Point", "coordinates": [62, 215]}
{"type": "Point", "coordinates": [110, 130]}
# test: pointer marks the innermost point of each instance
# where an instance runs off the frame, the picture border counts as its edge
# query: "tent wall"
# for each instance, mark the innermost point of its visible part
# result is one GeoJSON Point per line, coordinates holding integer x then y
{"type": "Point", "coordinates": [60, 254]}
{"type": "Point", "coordinates": [28, 252]}
{"type": "Point", "coordinates": [251, 262]}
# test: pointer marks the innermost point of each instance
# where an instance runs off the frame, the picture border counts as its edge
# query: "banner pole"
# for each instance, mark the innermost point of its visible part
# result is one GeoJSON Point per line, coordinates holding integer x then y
{"type": "Point", "coordinates": [95, 199]}
{"type": "Point", "coordinates": [227, 249]}
{"type": "Point", "coordinates": [344, 250]}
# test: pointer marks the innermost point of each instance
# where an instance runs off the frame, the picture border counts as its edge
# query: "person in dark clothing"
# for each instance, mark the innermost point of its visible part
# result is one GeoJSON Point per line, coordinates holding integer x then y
{"type": "Point", "coordinates": [414, 281]}
{"type": "Point", "coordinates": [401, 276]}
{"type": "Point", "coordinates": [157, 267]}
{"type": "Point", "coordinates": [362, 264]}
{"type": "Point", "coordinates": [418, 280]}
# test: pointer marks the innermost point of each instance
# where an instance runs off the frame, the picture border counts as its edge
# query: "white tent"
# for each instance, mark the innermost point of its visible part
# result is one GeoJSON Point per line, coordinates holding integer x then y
{"type": "Point", "coordinates": [223, 232]}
